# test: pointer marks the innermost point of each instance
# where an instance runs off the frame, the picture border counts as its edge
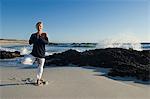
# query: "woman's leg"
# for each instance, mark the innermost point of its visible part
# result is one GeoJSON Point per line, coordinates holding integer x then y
{"type": "Point", "coordinates": [28, 60]}
{"type": "Point", "coordinates": [40, 67]}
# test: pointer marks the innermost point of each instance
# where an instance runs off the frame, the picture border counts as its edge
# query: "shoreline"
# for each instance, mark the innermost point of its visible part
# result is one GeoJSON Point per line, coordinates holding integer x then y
{"type": "Point", "coordinates": [19, 41]}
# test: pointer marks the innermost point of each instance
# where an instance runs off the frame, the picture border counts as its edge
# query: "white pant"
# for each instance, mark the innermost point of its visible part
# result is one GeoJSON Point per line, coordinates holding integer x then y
{"type": "Point", "coordinates": [29, 60]}
{"type": "Point", "coordinates": [40, 62]}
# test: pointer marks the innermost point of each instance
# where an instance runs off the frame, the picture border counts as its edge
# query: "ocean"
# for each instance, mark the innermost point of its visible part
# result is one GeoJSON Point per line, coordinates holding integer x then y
{"type": "Point", "coordinates": [61, 47]}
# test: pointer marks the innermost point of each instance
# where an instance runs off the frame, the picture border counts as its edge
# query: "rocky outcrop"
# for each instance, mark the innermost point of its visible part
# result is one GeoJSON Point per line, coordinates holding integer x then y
{"type": "Point", "coordinates": [7, 54]}
{"type": "Point", "coordinates": [137, 65]}
{"type": "Point", "coordinates": [122, 61]}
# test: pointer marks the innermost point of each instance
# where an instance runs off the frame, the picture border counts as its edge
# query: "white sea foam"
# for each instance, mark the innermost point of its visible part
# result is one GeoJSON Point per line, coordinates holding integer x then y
{"type": "Point", "coordinates": [7, 49]}
{"type": "Point", "coordinates": [121, 41]}
{"type": "Point", "coordinates": [24, 51]}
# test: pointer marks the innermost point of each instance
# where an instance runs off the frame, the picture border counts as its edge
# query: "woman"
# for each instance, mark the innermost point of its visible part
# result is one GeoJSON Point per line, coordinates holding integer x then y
{"type": "Point", "coordinates": [39, 39]}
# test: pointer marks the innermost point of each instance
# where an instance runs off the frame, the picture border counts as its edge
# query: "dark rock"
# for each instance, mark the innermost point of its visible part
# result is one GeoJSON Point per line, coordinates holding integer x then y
{"type": "Point", "coordinates": [122, 61]}
{"type": "Point", "coordinates": [64, 58]}
{"type": "Point", "coordinates": [7, 54]}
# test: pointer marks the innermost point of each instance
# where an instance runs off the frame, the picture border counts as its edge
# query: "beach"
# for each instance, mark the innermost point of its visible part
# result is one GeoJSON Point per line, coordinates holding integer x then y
{"type": "Point", "coordinates": [66, 82]}
{"type": "Point", "coordinates": [4, 42]}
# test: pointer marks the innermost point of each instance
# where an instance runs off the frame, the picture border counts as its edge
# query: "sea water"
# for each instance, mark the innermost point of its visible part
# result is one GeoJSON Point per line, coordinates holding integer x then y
{"type": "Point", "coordinates": [58, 48]}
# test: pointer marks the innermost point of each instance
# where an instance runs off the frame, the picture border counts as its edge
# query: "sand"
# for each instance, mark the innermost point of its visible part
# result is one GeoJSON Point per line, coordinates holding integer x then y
{"type": "Point", "coordinates": [67, 83]}
{"type": "Point", "coordinates": [7, 42]}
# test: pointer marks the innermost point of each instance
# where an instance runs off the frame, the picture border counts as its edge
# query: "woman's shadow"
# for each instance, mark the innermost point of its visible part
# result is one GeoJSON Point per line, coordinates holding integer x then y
{"type": "Point", "coordinates": [27, 81]}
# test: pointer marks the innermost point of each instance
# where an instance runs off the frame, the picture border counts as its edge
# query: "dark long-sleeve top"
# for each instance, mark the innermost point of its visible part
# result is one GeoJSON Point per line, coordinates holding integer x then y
{"type": "Point", "coordinates": [39, 43]}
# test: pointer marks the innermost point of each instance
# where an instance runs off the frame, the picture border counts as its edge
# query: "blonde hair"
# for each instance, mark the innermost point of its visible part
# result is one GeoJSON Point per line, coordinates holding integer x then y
{"type": "Point", "coordinates": [37, 24]}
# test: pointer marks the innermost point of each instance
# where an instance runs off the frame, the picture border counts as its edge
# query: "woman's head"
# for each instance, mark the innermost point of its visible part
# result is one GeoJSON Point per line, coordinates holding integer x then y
{"type": "Point", "coordinates": [39, 26]}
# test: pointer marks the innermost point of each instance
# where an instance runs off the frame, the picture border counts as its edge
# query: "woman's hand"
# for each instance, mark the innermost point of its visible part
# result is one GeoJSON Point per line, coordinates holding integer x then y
{"type": "Point", "coordinates": [43, 35]}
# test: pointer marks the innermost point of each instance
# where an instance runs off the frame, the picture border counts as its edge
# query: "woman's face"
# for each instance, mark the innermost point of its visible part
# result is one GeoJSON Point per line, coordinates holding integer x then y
{"type": "Point", "coordinates": [40, 27]}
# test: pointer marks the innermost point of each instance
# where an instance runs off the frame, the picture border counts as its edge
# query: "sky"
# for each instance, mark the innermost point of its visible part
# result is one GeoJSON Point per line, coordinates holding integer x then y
{"type": "Point", "coordinates": [76, 20]}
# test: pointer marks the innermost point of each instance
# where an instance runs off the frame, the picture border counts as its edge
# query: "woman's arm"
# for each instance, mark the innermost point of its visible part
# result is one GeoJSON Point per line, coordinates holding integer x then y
{"type": "Point", "coordinates": [31, 40]}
